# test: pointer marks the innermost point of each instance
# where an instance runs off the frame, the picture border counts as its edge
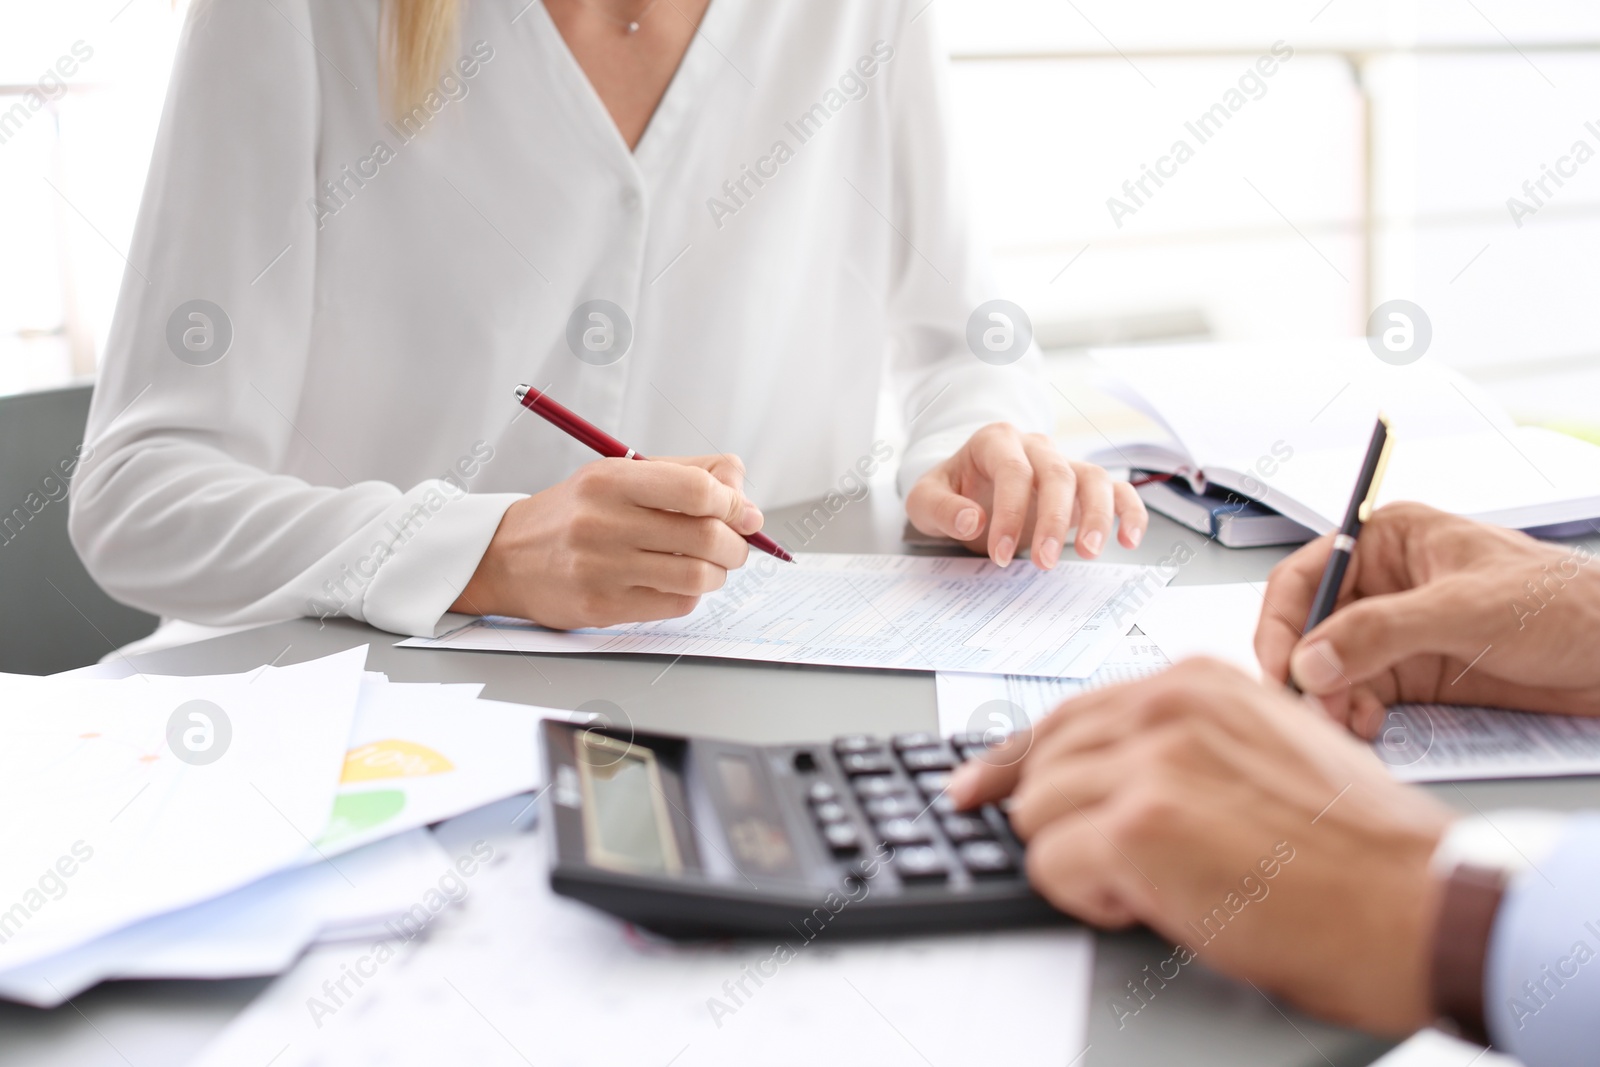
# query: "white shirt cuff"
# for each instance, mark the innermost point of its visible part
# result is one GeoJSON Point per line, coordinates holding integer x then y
{"type": "Point", "coordinates": [414, 588]}
{"type": "Point", "coordinates": [1513, 840]}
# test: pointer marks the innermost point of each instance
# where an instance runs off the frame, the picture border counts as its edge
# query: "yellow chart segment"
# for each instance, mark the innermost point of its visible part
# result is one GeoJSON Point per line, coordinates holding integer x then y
{"type": "Point", "coordinates": [392, 758]}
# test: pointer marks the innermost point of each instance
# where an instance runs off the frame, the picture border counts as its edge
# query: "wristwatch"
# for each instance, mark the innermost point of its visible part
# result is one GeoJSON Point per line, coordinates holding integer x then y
{"type": "Point", "coordinates": [1477, 861]}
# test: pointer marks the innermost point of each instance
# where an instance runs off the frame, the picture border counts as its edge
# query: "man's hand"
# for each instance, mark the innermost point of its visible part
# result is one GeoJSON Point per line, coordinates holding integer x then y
{"type": "Point", "coordinates": [1023, 491]}
{"type": "Point", "coordinates": [1439, 609]}
{"type": "Point", "coordinates": [619, 541]}
{"type": "Point", "coordinates": [1234, 820]}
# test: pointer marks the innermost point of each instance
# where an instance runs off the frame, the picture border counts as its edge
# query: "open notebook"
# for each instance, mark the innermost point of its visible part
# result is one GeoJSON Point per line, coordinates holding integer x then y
{"type": "Point", "coordinates": [1287, 424]}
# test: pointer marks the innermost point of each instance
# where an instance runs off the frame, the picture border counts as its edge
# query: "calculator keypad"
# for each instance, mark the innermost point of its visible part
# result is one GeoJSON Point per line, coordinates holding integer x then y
{"type": "Point", "coordinates": [899, 786]}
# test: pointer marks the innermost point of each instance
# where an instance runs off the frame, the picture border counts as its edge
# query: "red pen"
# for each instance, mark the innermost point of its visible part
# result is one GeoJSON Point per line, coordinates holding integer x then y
{"type": "Point", "coordinates": [585, 432]}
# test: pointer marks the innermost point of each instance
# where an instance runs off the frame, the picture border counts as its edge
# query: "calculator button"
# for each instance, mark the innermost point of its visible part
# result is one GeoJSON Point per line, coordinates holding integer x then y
{"type": "Point", "coordinates": [842, 837]}
{"type": "Point", "coordinates": [931, 782]}
{"type": "Point", "coordinates": [971, 745]}
{"type": "Point", "coordinates": [903, 831]}
{"type": "Point", "coordinates": [856, 743]}
{"type": "Point", "coordinates": [877, 785]}
{"type": "Point", "coordinates": [902, 805]}
{"type": "Point", "coordinates": [927, 759]}
{"type": "Point", "coordinates": [942, 803]}
{"type": "Point", "coordinates": [872, 761]}
{"type": "Point", "coordinates": [919, 863]}
{"type": "Point", "coordinates": [966, 828]}
{"type": "Point", "coordinates": [921, 739]}
{"type": "Point", "coordinates": [819, 792]}
{"type": "Point", "coordinates": [830, 811]}
{"type": "Point", "coordinates": [985, 857]}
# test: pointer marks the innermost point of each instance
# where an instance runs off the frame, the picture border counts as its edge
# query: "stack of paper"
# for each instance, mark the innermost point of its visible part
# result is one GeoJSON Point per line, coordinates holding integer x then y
{"type": "Point", "coordinates": [214, 827]}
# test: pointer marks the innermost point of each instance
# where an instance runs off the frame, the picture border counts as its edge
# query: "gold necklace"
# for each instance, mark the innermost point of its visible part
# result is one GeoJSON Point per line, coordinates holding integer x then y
{"type": "Point", "coordinates": [632, 24]}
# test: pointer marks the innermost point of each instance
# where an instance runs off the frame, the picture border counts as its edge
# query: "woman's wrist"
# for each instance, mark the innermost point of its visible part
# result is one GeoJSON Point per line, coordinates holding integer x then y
{"type": "Point", "coordinates": [483, 593]}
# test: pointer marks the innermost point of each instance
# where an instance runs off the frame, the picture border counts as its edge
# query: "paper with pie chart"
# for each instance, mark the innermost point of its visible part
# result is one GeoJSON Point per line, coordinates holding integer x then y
{"type": "Point", "coordinates": [420, 754]}
{"type": "Point", "coordinates": [194, 811]}
{"type": "Point", "coordinates": [152, 793]}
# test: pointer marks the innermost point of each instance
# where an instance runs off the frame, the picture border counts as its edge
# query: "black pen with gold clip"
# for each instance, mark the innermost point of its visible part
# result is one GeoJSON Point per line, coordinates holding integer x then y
{"type": "Point", "coordinates": [1362, 501]}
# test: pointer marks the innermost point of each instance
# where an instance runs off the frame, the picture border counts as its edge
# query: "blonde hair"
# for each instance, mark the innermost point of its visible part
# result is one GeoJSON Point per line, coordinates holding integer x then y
{"type": "Point", "coordinates": [416, 38]}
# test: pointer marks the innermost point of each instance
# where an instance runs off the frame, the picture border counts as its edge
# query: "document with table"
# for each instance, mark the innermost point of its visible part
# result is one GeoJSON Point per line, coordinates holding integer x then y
{"type": "Point", "coordinates": [1419, 742]}
{"type": "Point", "coordinates": [900, 612]}
{"type": "Point", "coordinates": [1443, 743]}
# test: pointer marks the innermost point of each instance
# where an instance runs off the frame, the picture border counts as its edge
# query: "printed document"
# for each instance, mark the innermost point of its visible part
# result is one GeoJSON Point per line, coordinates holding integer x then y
{"type": "Point", "coordinates": [137, 797]}
{"type": "Point", "coordinates": [1419, 742]}
{"type": "Point", "coordinates": [980, 703]}
{"type": "Point", "coordinates": [515, 975]}
{"type": "Point", "coordinates": [900, 612]}
{"type": "Point", "coordinates": [1440, 743]}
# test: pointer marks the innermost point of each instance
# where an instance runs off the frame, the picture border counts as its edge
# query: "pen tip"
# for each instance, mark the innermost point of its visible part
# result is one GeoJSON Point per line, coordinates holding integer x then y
{"type": "Point", "coordinates": [522, 392]}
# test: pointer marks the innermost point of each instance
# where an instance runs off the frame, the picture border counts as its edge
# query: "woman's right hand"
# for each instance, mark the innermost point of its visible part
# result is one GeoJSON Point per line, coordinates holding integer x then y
{"type": "Point", "coordinates": [619, 541]}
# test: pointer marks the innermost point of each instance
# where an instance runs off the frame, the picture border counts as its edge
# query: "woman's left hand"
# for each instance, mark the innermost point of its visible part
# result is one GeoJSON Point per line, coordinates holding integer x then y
{"type": "Point", "coordinates": [1005, 489]}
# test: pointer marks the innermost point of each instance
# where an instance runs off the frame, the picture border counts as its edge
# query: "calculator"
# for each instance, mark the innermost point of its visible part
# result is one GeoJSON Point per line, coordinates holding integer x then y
{"type": "Point", "coordinates": [695, 837]}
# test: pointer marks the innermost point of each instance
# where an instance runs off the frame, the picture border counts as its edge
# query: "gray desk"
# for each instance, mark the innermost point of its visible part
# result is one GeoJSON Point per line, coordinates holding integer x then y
{"type": "Point", "coordinates": [1200, 1019]}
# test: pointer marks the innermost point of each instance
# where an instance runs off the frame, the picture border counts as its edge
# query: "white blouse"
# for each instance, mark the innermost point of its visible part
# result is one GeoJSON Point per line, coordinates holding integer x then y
{"type": "Point", "coordinates": [306, 403]}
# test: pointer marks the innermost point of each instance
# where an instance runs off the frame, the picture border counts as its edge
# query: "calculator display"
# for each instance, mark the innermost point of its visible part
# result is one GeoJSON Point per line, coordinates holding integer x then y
{"type": "Point", "coordinates": [626, 825]}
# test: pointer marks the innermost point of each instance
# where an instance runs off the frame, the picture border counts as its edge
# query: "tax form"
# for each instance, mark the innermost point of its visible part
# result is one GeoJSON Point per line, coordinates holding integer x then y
{"type": "Point", "coordinates": [978, 703]}
{"type": "Point", "coordinates": [898, 612]}
{"type": "Point", "coordinates": [1443, 743]}
{"type": "Point", "coordinates": [1418, 742]}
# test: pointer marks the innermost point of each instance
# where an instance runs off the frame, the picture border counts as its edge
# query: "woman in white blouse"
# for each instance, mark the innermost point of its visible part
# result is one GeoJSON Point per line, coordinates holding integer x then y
{"type": "Point", "coordinates": [712, 227]}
